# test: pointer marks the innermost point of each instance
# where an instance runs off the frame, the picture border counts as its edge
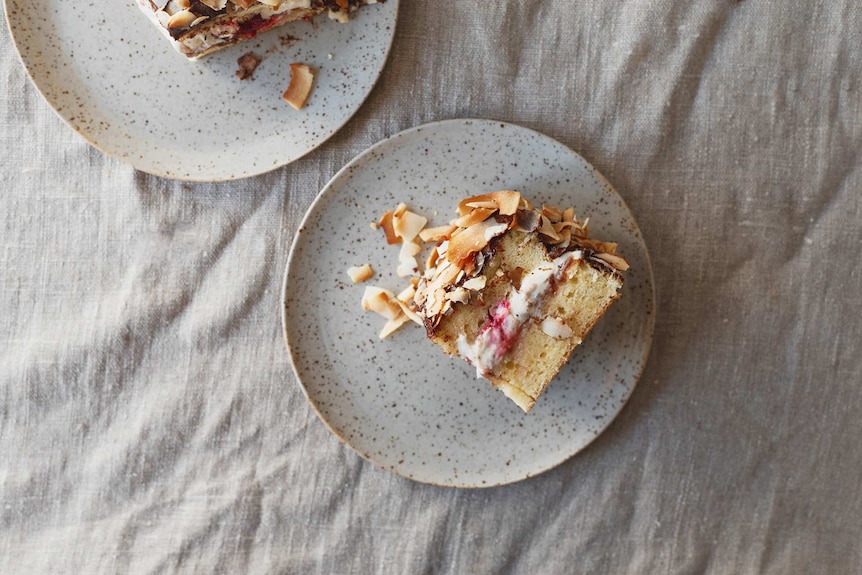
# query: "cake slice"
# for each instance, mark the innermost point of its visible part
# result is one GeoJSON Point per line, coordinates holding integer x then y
{"type": "Point", "coordinates": [199, 27]}
{"type": "Point", "coordinates": [513, 290]}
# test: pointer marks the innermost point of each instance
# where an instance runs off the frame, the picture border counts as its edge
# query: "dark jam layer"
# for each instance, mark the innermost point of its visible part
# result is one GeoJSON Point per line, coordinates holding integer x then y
{"type": "Point", "coordinates": [253, 26]}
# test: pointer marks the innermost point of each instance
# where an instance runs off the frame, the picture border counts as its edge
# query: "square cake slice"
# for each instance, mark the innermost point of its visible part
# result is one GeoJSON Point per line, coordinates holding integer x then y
{"type": "Point", "coordinates": [199, 27]}
{"type": "Point", "coordinates": [513, 290]}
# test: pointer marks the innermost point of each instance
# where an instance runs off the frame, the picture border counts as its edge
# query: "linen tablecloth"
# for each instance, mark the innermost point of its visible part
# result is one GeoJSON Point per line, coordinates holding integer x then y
{"type": "Point", "coordinates": [149, 418]}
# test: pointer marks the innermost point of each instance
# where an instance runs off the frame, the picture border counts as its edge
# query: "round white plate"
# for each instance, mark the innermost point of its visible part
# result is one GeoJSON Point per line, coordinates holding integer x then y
{"type": "Point", "coordinates": [112, 76]}
{"type": "Point", "coordinates": [400, 402]}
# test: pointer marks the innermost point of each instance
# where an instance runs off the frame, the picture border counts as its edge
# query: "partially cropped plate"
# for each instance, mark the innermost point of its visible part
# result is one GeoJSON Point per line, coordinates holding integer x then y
{"type": "Point", "coordinates": [112, 76]}
{"type": "Point", "coordinates": [400, 402]}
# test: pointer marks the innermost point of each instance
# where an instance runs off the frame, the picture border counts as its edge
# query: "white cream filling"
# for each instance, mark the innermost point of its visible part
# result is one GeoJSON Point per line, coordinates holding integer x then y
{"type": "Point", "coordinates": [484, 353]}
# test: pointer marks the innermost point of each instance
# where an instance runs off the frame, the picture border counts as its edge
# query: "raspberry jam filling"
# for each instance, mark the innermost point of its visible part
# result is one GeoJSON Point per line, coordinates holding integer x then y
{"type": "Point", "coordinates": [252, 27]}
{"type": "Point", "coordinates": [497, 331]}
{"type": "Point", "coordinates": [506, 318]}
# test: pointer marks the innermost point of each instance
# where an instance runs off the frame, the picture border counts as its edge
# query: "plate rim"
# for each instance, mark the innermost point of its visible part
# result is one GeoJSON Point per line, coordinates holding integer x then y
{"type": "Point", "coordinates": [199, 178]}
{"type": "Point", "coordinates": [649, 332]}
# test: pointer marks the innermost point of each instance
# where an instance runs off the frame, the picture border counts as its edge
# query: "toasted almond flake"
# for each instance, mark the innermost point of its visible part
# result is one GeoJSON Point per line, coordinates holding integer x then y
{"type": "Point", "coordinates": [437, 234]}
{"type": "Point", "coordinates": [436, 301]}
{"type": "Point", "coordinates": [555, 328]}
{"type": "Point", "coordinates": [459, 295]}
{"type": "Point", "coordinates": [301, 80]}
{"type": "Point", "coordinates": [392, 325]}
{"type": "Point", "coordinates": [475, 283]}
{"type": "Point", "coordinates": [407, 225]}
{"type": "Point", "coordinates": [412, 315]}
{"type": "Point", "coordinates": [448, 274]}
{"type": "Point", "coordinates": [359, 274]}
{"type": "Point", "coordinates": [182, 19]}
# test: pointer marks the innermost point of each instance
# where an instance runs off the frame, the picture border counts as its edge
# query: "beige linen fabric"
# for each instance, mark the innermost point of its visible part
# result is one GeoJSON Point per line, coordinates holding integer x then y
{"type": "Point", "coordinates": [149, 419]}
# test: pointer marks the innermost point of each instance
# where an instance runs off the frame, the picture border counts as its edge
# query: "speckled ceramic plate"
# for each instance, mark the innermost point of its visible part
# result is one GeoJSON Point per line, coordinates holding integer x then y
{"type": "Point", "coordinates": [112, 76]}
{"type": "Point", "coordinates": [400, 402]}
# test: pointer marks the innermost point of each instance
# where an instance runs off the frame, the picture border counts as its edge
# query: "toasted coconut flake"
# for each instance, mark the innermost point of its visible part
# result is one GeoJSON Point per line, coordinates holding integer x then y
{"type": "Point", "coordinates": [553, 213]}
{"type": "Point", "coordinates": [392, 325]}
{"type": "Point", "coordinates": [359, 274]}
{"type": "Point", "coordinates": [409, 249]}
{"type": "Point", "coordinates": [388, 229]}
{"type": "Point", "coordinates": [492, 232]}
{"type": "Point", "coordinates": [615, 260]}
{"type": "Point", "coordinates": [486, 204]}
{"type": "Point", "coordinates": [464, 206]}
{"type": "Point", "coordinates": [400, 209]}
{"type": "Point", "coordinates": [380, 301]}
{"type": "Point", "coordinates": [301, 80]}
{"type": "Point", "coordinates": [565, 238]}
{"type": "Point", "coordinates": [470, 241]}
{"type": "Point", "coordinates": [433, 256]}
{"type": "Point", "coordinates": [569, 215]}
{"type": "Point", "coordinates": [507, 201]}
{"type": "Point", "coordinates": [437, 234]}
{"type": "Point", "coordinates": [408, 225]}
{"type": "Point", "coordinates": [408, 267]}
{"type": "Point", "coordinates": [474, 217]}
{"type": "Point", "coordinates": [547, 229]}
{"type": "Point", "coordinates": [407, 293]}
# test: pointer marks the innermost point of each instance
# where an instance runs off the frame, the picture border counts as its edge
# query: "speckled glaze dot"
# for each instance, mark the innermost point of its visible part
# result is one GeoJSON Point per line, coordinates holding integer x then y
{"type": "Point", "coordinates": [131, 95]}
{"type": "Point", "coordinates": [400, 402]}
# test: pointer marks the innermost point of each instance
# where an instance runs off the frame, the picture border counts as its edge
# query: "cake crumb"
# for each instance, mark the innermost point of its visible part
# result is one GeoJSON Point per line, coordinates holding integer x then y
{"type": "Point", "coordinates": [247, 63]}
